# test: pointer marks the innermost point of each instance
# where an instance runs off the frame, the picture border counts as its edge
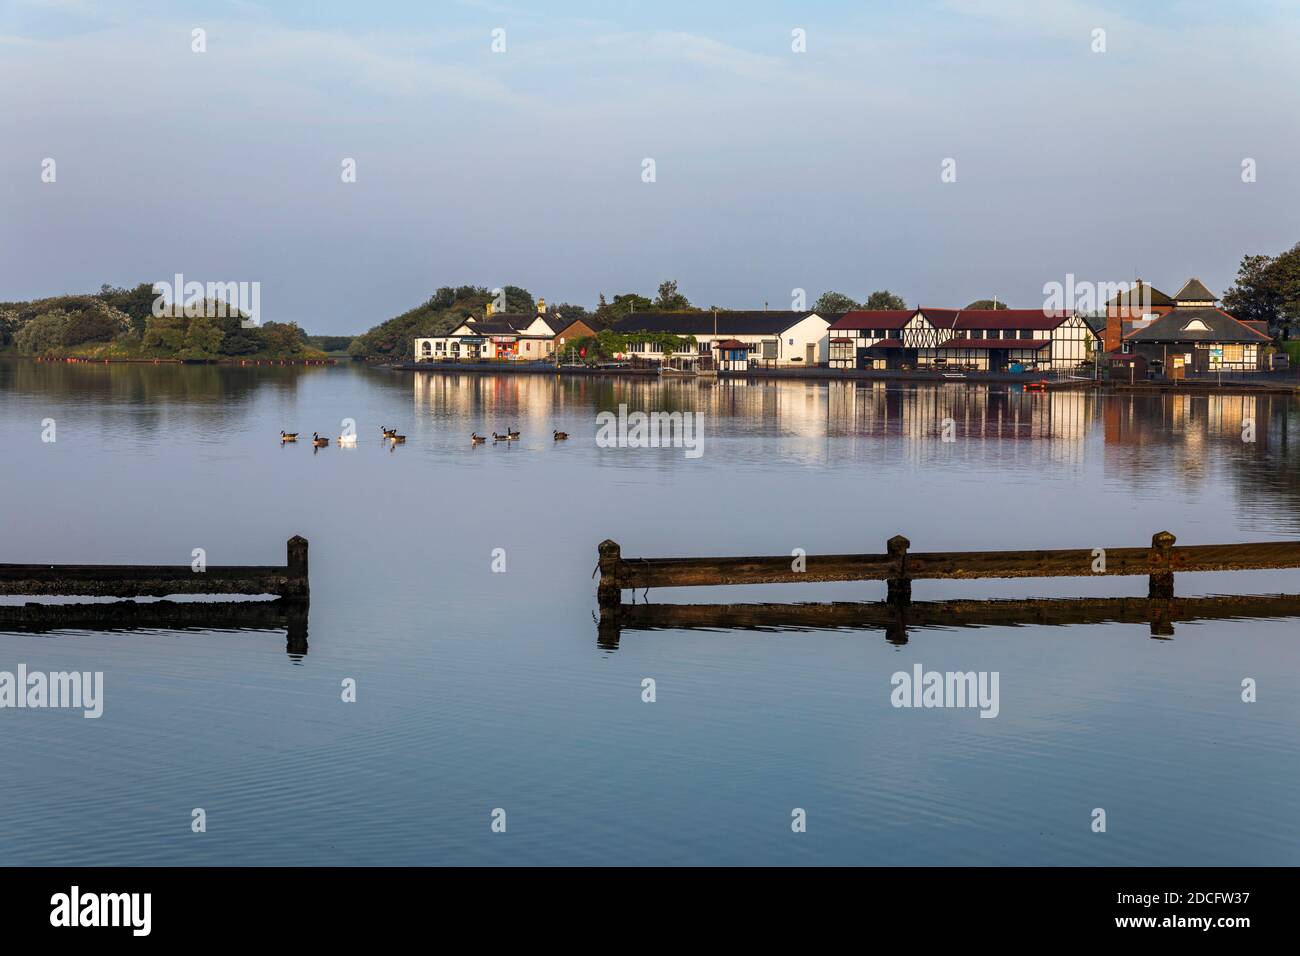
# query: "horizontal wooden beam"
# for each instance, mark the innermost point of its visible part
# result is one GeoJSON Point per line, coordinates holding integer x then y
{"type": "Point", "coordinates": [899, 566]}
{"type": "Point", "coordinates": [955, 565]}
{"type": "Point", "coordinates": [118, 580]}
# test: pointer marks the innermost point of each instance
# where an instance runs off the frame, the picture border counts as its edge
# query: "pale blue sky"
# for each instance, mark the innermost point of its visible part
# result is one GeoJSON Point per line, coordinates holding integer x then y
{"type": "Point", "coordinates": [775, 170]}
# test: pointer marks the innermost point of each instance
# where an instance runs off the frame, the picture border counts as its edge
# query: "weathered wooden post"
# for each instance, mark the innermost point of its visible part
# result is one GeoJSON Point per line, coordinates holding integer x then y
{"type": "Point", "coordinates": [899, 585]}
{"type": "Point", "coordinates": [608, 593]}
{"type": "Point", "coordinates": [1160, 586]}
{"type": "Point", "coordinates": [299, 585]}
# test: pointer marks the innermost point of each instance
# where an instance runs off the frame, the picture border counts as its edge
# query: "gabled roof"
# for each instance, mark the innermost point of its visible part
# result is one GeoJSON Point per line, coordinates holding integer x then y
{"type": "Point", "coordinates": [1195, 291]}
{"type": "Point", "coordinates": [701, 323]}
{"type": "Point", "coordinates": [940, 318]}
{"type": "Point", "coordinates": [873, 319]}
{"type": "Point", "coordinates": [1141, 293]}
{"type": "Point", "coordinates": [1220, 327]}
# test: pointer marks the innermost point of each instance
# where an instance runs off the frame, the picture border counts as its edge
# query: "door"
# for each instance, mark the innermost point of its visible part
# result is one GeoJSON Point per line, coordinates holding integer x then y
{"type": "Point", "coordinates": [812, 354]}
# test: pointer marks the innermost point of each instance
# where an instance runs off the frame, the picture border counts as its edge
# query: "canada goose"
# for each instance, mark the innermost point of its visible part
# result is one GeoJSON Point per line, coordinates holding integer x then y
{"type": "Point", "coordinates": [317, 441]}
{"type": "Point", "coordinates": [350, 439]}
{"type": "Point", "coordinates": [396, 439]}
{"type": "Point", "coordinates": [388, 432]}
{"type": "Point", "coordinates": [512, 434]}
{"type": "Point", "coordinates": [561, 436]}
{"type": "Point", "coordinates": [496, 438]}
{"type": "Point", "coordinates": [476, 439]}
{"type": "Point", "coordinates": [288, 436]}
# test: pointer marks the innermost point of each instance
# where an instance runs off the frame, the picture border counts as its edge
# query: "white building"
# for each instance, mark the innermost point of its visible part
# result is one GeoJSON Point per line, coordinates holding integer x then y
{"type": "Point", "coordinates": [987, 340]}
{"type": "Point", "coordinates": [734, 340]}
{"type": "Point", "coordinates": [508, 336]}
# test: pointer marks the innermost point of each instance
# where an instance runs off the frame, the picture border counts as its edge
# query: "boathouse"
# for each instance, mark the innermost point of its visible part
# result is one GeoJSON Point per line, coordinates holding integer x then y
{"type": "Point", "coordinates": [1197, 337]}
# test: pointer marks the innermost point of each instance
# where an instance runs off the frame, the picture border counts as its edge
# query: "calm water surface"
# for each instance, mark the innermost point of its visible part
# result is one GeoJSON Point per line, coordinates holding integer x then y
{"type": "Point", "coordinates": [479, 690]}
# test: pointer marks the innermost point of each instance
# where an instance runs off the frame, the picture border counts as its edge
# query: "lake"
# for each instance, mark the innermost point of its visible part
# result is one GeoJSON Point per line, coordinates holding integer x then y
{"type": "Point", "coordinates": [480, 688]}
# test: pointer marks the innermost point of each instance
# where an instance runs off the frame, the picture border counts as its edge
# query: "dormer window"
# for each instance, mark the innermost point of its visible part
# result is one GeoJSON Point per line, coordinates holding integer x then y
{"type": "Point", "coordinates": [1196, 325]}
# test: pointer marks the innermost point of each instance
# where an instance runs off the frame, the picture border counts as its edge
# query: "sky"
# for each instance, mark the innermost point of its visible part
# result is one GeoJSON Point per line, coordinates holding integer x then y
{"type": "Point", "coordinates": [775, 170]}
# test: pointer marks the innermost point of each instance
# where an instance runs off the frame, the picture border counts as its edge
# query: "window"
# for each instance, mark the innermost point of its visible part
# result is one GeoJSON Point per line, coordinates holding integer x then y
{"type": "Point", "coordinates": [792, 341]}
{"type": "Point", "coordinates": [1026, 333]}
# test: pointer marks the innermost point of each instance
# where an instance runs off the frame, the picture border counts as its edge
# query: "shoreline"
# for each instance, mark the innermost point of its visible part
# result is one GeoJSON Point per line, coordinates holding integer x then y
{"type": "Point", "coordinates": [869, 375]}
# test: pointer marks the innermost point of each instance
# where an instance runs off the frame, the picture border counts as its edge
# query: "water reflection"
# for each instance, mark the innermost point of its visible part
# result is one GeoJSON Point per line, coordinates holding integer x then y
{"type": "Point", "coordinates": [126, 616]}
{"type": "Point", "coordinates": [896, 622]}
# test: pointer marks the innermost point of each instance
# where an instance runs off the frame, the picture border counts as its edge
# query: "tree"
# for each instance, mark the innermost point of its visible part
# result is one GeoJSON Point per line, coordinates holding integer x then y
{"type": "Point", "coordinates": [283, 338]}
{"type": "Point", "coordinates": [884, 300]}
{"type": "Point", "coordinates": [91, 325]}
{"type": "Point", "coordinates": [42, 334]}
{"type": "Point", "coordinates": [987, 304]}
{"type": "Point", "coordinates": [570, 312]}
{"type": "Point", "coordinates": [1267, 290]}
{"type": "Point", "coordinates": [623, 305]}
{"type": "Point", "coordinates": [832, 303]}
{"type": "Point", "coordinates": [669, 299]}
{"type": "Point", "coordinates": [203, 338]}
{"type": "Point", "coordinates": [164, 334]}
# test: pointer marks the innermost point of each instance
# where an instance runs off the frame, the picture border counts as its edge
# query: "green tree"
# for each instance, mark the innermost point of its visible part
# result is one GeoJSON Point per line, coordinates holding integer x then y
{"type": "Point", "coordinates": [884, 300]}
{"type": "Point", "coordinates": [91, 325]}
{"type": "Point", "coordinates": [832, 303]}
{"type": "Point", "coordinates": [1267, 290]}
{"type": "Point", "coordinates": [669, 299]}
{"type": "Point", "coordinates": [164, 334]}
{"type": "Point", "coordinates": [203, 338]}
{"type": "Point", "coordinates": [987, 304]}
{"type": "Point", "coordinates": [42, 334]}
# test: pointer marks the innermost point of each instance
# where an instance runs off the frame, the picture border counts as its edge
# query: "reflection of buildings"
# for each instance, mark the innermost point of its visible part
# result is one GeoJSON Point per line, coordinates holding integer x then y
{"type": "Point", "coordinates": [922, 411]}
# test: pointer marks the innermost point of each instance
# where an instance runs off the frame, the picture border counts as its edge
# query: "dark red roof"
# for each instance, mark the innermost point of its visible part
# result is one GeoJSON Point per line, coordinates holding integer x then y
{"type": "Point", "coordinates": [942, 318]}
{"type": "Point", "coordinates": [994, 343]}
{"type": "Point", "coordinates": [733, 344]}
{"type": "Point", "coordinates": [880, 319]}
{"type": "Point", "coordinates": [1009, 319]}
{"type": "Point", "coordinates": [887, 344]}
{"type": "Point", "coordinates": [842, 341]}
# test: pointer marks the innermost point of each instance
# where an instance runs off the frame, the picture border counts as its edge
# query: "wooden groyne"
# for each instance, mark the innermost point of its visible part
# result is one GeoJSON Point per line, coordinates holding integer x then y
{"type": "Point", "coordinates": [898, 566]}
{"type": "Point", "coordinates": [288, 581]}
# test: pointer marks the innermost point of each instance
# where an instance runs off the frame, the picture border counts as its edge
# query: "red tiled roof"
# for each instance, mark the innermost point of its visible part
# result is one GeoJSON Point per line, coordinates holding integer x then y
{"type": "Point", "coordinates": [943, 318]}
{"type": "Point", "coordinates": [995, 343]}
{"type": "Point", "coordinates": [887, 344]}
{"type": "Point", "coordinates": [1009, 319]}
{"type": "Point", "coordinates": [732, 344]}
{"type": "Point", "coordinates": [842, 341]}
{"type": "Point", "coordinates": [881, 319]}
